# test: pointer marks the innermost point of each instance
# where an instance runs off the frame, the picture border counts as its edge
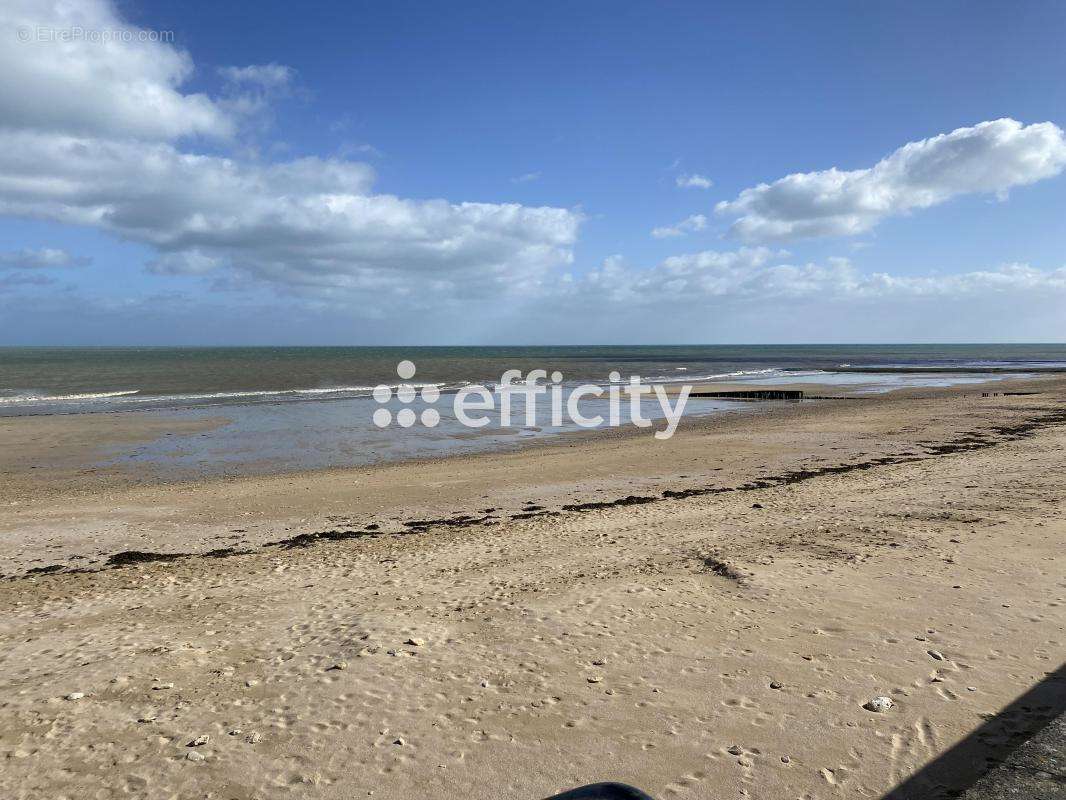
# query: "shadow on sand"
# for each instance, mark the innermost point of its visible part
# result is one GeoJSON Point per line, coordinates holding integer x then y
{"type": "Point", "coordinates": [954, 771]}
{"type": "Point", "coordinates": [957, 769]}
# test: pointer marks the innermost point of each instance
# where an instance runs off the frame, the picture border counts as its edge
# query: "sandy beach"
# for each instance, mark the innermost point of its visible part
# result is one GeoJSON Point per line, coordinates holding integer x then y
{"type": "Point", "coordinates": [703, 617]}
{"type": "Point", "coordinates": [422, 401]}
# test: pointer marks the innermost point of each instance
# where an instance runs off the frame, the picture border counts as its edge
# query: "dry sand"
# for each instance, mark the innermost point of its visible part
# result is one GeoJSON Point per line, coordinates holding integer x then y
{"type": "Point", "coordinates": [708, 643]}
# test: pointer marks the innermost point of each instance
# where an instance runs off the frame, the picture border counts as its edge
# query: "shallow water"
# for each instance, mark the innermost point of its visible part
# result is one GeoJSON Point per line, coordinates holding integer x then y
{"type": "Point", "coordinates": [282, 437]}
{"type": "Point", "coordinates": [306, 408]}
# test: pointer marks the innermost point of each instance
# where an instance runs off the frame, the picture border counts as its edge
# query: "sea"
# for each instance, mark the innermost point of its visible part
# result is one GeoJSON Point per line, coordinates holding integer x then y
{"type": "Point", "coordinates": [285, 408]}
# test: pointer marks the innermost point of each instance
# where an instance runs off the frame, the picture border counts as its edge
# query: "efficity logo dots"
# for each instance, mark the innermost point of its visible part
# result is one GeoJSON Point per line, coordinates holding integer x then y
{"type": "Point", "coordinates": [406, 393]}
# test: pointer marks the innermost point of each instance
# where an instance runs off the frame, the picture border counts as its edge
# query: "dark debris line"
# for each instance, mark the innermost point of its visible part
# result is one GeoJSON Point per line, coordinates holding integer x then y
{"type": "Point", "coordinates": [966, 442]}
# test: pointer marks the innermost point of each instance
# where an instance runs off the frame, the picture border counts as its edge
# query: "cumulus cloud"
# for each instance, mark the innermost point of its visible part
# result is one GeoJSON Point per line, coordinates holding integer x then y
{"type": "Point", "coordinates": [88, 136]}
{"type": "Point", "coordinates": [44, 258]}
{"type": "Point", "coordinates": [127, 86]}
{"type": "Point", "coordinates": [758, 275]}
{"type": "Point", "coordinates": [189, 262]}
{"type": "Point", "coordinates": [752, 294]}
{"type": "Point", "coordinates": [310, 221]}
{"type": "Point", "coordinates": [692, 277]}
{"type": "Point", "coordinates": [113, 149]}
{"type": "Point", "coordinates": [251, 93]}
{"type": "Point", "coordinates": [991, 157]}
{"type": "Point", "coordinates": [694, 181]}
{"type": "Point", "coordinates": [696, 222]}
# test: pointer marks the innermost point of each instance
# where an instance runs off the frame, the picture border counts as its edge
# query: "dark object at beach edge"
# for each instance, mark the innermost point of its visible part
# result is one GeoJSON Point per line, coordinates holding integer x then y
{"type": "Point", "coordinates": [602, 791]}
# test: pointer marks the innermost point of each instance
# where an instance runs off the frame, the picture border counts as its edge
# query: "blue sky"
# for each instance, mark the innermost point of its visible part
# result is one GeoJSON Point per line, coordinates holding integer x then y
{"type": "Point", "coordinates": [592, 110]}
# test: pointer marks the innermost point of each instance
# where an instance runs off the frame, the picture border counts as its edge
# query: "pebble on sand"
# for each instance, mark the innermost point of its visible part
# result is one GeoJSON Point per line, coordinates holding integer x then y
{"type": "Point", "coordinates": [199, 741]}
{"type": "Point", "coordinates": [75, 695]}
{"type": "Point", "coordinates": [255, 738]}
{"type": "Point", "coordinates": [775, 685]}
{"type": "Point", "coordinates": [414, 641]}
{"type": "Point", "coordinates": [160, 686]}
{"type": "Point", "coordinates": [879, 705]}
{"type": "Point", "coordinates": [194, 756]}
{"type": "Point", "coordinates": [936, 655]}
{"type": "Point", "coordinates": [594, 678]}
{"type": "Point", "coordinates": [736, 750]}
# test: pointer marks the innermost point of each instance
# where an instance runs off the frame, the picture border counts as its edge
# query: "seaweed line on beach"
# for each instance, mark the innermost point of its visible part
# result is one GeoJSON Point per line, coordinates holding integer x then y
{"type": "Point", "coordinates": [724, 569]}
{"type": "Point", "coordinates": [966, 442]}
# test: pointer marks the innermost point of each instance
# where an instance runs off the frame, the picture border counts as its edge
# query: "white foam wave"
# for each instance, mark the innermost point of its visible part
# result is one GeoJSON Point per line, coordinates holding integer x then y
{"type": "Point", "coordinates": [64, 398]}
{"type": "Point", "coordinates": [718, 376]}
{"type": "Point", "coordinates": [127, 397]}
{"type": "Point", "coordinates": [210, 396]}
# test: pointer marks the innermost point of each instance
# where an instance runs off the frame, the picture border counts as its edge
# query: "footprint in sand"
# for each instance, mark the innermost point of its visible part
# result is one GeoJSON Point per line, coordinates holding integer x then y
{"type": "Point", "coordinates": [689, 783]}
{"type": "Point", "coordinates": [946, 693]}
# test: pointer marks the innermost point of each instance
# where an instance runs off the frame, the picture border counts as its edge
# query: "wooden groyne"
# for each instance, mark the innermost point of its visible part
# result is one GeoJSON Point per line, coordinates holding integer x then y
{"type": "Point", "coordinates": [754, 394]}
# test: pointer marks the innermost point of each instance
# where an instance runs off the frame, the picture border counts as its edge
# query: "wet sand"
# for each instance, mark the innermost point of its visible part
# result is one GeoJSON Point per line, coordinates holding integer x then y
{"type": "Point", "coordinates": [703, 617]}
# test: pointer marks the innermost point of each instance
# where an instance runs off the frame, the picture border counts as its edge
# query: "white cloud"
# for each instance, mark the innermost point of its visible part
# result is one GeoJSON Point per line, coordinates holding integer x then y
{"type": "Point", "coordinates": [528, 177]}
{"type": "Point", "coordinates": [758, 275]}
{"type": "Point", "coordinates": [309, 222]}
{"type": "Point", "coordinates": [694, 181]}
{"type": "Point", "coordinates": [118, 87]}
{"type": "Point", "coordinates": [44, 258]}
{"type": "Point", "coordinates": [693, 277]}
{"type": "Point", "coordinates": [755, 295]}
{"type": "Point", "coordinates": [696, 222]}
{"type": "Point", "coordinates": [104, 153]}
{"type": "Point", "coordinates": [101, 153]}
{"type": "Point", "coordinates": [991, 157]}
{"type": "Point", "coordinates": [187, 262]}
{"type": "Point", "coordinates": [746, 295]}
{"type": "Point", "coordinates": [267, 76]}
{"type": "Point", "coordinates": [251, 93]}
{"type": "Point", "coordinates": [358, 148]}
